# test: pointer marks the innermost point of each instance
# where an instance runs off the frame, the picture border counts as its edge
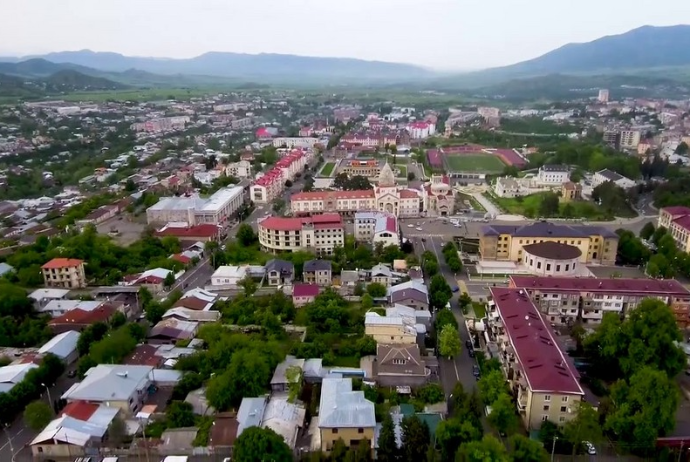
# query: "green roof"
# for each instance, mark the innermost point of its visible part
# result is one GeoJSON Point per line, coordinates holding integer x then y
{"type": "Point", "coordinates": [432, 421]}
{"type": "Point", "coordinates": [406, 409]}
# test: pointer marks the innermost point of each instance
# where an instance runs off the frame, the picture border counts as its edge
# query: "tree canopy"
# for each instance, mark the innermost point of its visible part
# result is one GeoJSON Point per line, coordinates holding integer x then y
{"type": "Point", "coordinates": [449, 342]}
{"type": "Point", "coordinates": [256, 443]}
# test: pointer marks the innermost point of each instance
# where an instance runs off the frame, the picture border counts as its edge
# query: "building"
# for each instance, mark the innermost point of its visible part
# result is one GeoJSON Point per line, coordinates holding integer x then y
{"type": "Point", "coordinates": [677, 221]}
{"type": "Point", "coordinates": [79, 319]}
{"type": "Point", "coordinates": [420, 130]}
{"type": "Point", "coordinates": [269, 186]}
{"type": "Point", "coordinates": [545, 383]}
{"type": "Point", "coordinates": [368, 168]}
{"type": "Point", "coordinates": [318, 272]}
{"type": "Point", "coordinates": [603, 96]}
{"type": "Point", "coordinates": [319, 234]}
{"type": "Point", "coordinates": [117, 386]}
{"type": "Point", "coordinates": [393, 330]}
{"type": "Point", "coordinates": [377, 227]}
{"type": "Point", "coordinates": [571, 191]}
{"type": "Point", "coordinates": [605, 175]}
{"type": "Point", "coordinates": [564, 299]}
{"type": "Point", "coordinates": [507, 187]}
{"type": "Point", "coordinates": [400, 365]}
{"type": "Point", "coordinates": [411, 293]}
{"type": "Point", "coordinates": [303, 294]}
{"type": "Point", "coordinates": [64, 346]}
{"type": "Point", "coordinates": [67, 273]}
{"type": "Point", "coordinates": [344, 414]}
{"type": "Point", "coordinates": [162, 124]}
{"type": "Point", "coordinates": [193, 210]}
{"type": "Point", "coordinates": [611, 138]}
{"type": "Point", "coordinates": [228, 275]}
{"type": "Point", "coordinates": [276, 413]}
{"type": "Point", "coordinates": [439, 196]}
{"type": "Point", "coordinates": [280, 383]}
{"type": "Point", "coordinates": [629, 139]}
{"type": "Point", "coordinates": [382, 274]}
{"type": "Point", "coordinates": [171, 330]}
{"type": "Point", "coordinates": [551, 259]}
{"type": "Point", "coordinates": [197, 233]}
{"type": "Point", "coordinates": [13, 374]}
{"type": "Point", "coordinates": [506, 242]}
{"type": "Point", "coordinates": [279, 272]}
{"type": "Point", "coordinates": [241, 169]}
{"type": "Point", "coordinates": [295, 142]}
{"type": "Point", "coordinates": [553, 174]}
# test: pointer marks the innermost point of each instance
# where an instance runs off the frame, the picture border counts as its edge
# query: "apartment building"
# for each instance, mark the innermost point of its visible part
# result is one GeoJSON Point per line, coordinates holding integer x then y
{"type": "Point", "coordinates": [421, 130]}
{"type": "Point", "coordinates": [394, 330]}
{"type": "Point", "coordinates": [605, 175]}
{"type": "Point", "coordinates": [377, 227]}
{"type": "Point", "coordinates": [563, 299]}
{"type": "Point", "coordinates": [66, 273]}
{"type": "Point", "coordinates": [553, 174]}
{"type": "Point", "coordinates": [629, 139]}
{"type": "Point", "coordinates": [603, 96]}
{"type": "Point", "coordinates": [545, 383]}
{"type": "Point", "coordinates": [319, 234]}
{"type": "Point", "coordinates": [295, 142]}
{"type": "Point", "coordinates": [677, 221]}
{"type": "Point", "coordinates": [271, 184]}
{"type": "Point", "coordinates": [194, 210]}
{"type": "Point", "coordinates": [162, 124]}
{"type": "Point", "coordinates": [505, 242]}
{"type": "Point", "coordinates": [344, 202]}
{"type": "Point", "coordinates": [240, 169]}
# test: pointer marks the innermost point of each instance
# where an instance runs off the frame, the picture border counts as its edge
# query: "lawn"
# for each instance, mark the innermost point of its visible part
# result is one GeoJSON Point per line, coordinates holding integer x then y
{"type": "Point", "coordinates": [402, 169]}
{"type": "Point", "coordinates": [479, 163]}
{"type": "Point", "coordinates": [529, 207]}
{"type": "Point", "coordinates": [466, 199]}
{"type": "Point", "coordinates": [479, 310]}
{"type": "Point", "coordinates": [327, 169]}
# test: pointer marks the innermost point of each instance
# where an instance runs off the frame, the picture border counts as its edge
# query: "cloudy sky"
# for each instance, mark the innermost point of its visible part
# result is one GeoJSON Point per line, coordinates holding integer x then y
{"type": "Point", "coordinates": [442, 34]}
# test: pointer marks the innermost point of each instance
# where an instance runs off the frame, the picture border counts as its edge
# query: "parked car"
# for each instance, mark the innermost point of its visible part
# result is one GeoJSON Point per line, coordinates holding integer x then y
{"type": "Point", "coordinates": [475, 371]}
{"type": "Point", "coordinates": [470, 351]}
{"type": "Point", "coordinates": [589, 448]}
{"type": "Point", "coordinates": [72, 373]}
{"type": "Point", "coordinates": [468, 343]}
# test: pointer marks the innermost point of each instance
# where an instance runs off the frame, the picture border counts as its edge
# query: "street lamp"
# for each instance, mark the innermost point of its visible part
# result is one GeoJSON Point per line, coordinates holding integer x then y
{"type": "Point", "coordinates": [50, 401]}
{"type": "Point", "coordinates": [553, 447]}
{"type": "Point", "coordinates": [9, 440]}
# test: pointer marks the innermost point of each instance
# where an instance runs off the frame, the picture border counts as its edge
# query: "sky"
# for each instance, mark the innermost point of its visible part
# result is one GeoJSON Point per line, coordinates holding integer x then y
{"type": "Point", "coordinates": [439, 34]}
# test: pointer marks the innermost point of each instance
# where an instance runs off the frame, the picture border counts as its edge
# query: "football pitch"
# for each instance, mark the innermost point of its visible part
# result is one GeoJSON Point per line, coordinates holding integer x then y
{"type": "Point", "coordinates": [478, 163]}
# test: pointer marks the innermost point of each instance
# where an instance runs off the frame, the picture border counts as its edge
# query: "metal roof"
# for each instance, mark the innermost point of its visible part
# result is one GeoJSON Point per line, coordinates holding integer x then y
{"type": "Point", "coordinates": [109, 382]}
{"type": "Point", "coordinates": [250, 413]}
{"type": "Point", "coordinates": [61, 345]}
{"type": "Point", "coordinates": [341, 407]}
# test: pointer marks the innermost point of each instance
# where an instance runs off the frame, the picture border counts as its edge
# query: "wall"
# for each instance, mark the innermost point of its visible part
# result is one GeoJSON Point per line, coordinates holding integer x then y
{"type": "Point", "coordinates": [328, 438]}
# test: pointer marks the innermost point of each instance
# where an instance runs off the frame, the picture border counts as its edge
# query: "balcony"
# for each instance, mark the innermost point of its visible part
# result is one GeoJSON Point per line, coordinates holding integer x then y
{"type": "Point", "coordinates": [521, 402]}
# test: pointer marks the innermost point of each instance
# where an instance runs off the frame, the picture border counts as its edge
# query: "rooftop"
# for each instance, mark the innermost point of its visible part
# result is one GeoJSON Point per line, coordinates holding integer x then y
{"type": "Point", "coordinates": [332, 220]}
{"type": "Point", "coordinates": [58, 263]}
{"type": "Point", "coordinates": [547, 229]}
{"type": "Point", "coordinates": [305, 290]}
{"type": "Point", "coordinates": [340, 407]}
{"type": "Point", "coordinates": [544, 366]}
{"type": "Point", "coordinates": [553, 250]}
{"type": "Point", "coordinates": [109, 382]}
{"type": "Point", "coordinates": [657, 287]}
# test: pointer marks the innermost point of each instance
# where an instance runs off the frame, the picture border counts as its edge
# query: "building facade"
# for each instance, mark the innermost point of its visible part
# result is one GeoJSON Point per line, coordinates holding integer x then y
{"type": "Point", "coordinates": [272, 183]}
{"type": "Point", "coordinates": [66, 273]}
{"type": "Point", "coordinates": [553, 174]}
{"type": "Point", "coordinates": [295, 142]}
{"type": "Point", "coordinates": [677, 221]}
{"type": "Point", "coordinates": [319, 234]}
{"type": "Point", "coordinates": [377, 227]}
{"type": "Point", "coordinates": [194, 210]}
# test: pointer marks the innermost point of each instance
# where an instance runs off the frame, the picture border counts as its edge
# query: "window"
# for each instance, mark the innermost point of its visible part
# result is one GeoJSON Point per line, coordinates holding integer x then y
{"type": "Point", "coordinates": [564, 409]}
{"type": "Point", "coordinates": [544, 418]}
{"type": "Point", "coordinates": [548, 267]}
{"type": "Point", "coordinates": [335, 431]}
{"type": "Point", "coordinates": [564, 399]}
{"type": "Point", "coordinates": [558, 267]}
{"type": "Point", "coordinates": [561, 419]}
{"type": "Point", "coordinates": [360, 430]}
{"type": "Point", "coordinates": [547, 398]}
{"type": "Point", "coordinates": [546, 407]}
{"type": "Point", "coordinates": [538, 265]}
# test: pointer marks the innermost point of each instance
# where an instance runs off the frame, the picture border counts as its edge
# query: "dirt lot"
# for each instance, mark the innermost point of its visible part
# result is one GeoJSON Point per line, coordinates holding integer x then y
{"type": "Point", "coordinates": [129, 228]}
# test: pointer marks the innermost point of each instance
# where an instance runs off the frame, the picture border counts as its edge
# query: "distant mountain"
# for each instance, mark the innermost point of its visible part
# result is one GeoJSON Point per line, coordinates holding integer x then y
{"type": "Point", "coordinates": [246, 66]}
{"type": "Point", "coordinates": [71, 80]}
{"type": "Point", "coordinates": [37, 67]}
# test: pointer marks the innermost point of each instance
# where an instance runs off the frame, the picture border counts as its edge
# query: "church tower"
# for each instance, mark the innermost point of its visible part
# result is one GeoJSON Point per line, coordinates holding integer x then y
{"type": "Point", "coordinates": [386, 177]}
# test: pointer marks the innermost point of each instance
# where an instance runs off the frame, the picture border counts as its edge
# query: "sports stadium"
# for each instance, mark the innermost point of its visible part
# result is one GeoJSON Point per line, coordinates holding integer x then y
{"type": "Point", "coordinates": [473, 161]}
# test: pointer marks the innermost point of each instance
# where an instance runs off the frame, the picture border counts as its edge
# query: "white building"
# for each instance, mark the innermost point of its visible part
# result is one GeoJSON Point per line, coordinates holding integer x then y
{"type": "Point", "coordinates": [194, 210]}
{"type": "Point", "coordinates": [377, 227]}
{"type": "Point", "coordinates": [228, 275]}
{"type": "Point", "coordinates": [489, 112]}
{"type": "Point", "coordinates": [553, 174]}
{"type": "Point", "coordinates": [629, 139]}
{"type": "Point", "coordinates": [507, 187]}
{"type": "Point", "coordinates": [271, 184]}
{"type": "Point", "coordinates": [293, 142]}
{"type": "Point", "coordinates": [421, 130]}
{"type": "Point", "coordinates": [319, 234]}
{"type": "Point", "coordinates": [241, 169]}
{"type": "Point", "coordinates": [603, 96]}
{"type": "Point", "coordinates": [605, 175]}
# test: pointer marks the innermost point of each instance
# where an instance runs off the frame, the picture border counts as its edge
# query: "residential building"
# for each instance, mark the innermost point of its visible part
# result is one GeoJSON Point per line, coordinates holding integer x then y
{"type": "Point", "coordinates": [382, 274]}
{"type": "Point", "coordinates": [319, 234]}
{"type": "Point", "coordinates": [344, 414]}
{"type": "Point", "coordinates": [57, 308]}
{"type": "Point", "coordinates": [67, 273]}
{"type": "Point", "coordinates": [394, 330]}
{"type": "Point", "coordinates": [162, 124]}
{"type": "Point", "coordinates": [571, 191]}
{"type": "Point", "coordinates": [117, 386]}
{"type": "Point", "coordinates": [79, 319]}
{"type": "Point", "coordinates": [400, 365]}
{"type": "Point", "coordinates": [197, 299]}
{"type": "Point", "coordinates": [420, 130]}
{"type": "Point", "coordinates": [276, 413]}
{"type": "Point", "coordinates": [64, 346]}
{"type": "Point", "coordinates": [505, 242]}
{"type": "Point", "coordinates": [241, 169]}
{"type": "Point", "coordinates": [269, 186]}
{"type": "Point", "coordinates": [152, 279]}
{"type": "Point", "coordinates": [12, 374]}
{"type": "Point", "coordinates": [676, 220]}
{"type": "Point", "coordinates": [603, 96]}
{"type": "Point", "coordinates": [228, 275]}
{"type": "Point", "coordinates": [318, 272]}
{"type": "Point", "coordinates": [410, 293]}
{"type": "Point", "coordinates": [303, 294]}
{"type": "Point", "coordinates": [605, 175]}
{"type": "Point", "coordinates": [563, 300]}
{"type": "Point", "coordinates": [377, 227]}
{"type": "Point", "coordinates": [545, 383]}
{"type": "Point", "coordinates": [279, 272]}
{"type": "Point", "coordinates": [194, 210]}
{"type": "Point", "coordinates": [171, 330]}
{"type": "Point", "coordinates": [5, 269]}
{"type": "Point", "coordinates": [295, 142]}
{"type": "Point", "coordinates": [629, 139]}
{"type": "Point", "coordinates": [280, 383]}
{"type": "Point", "coordinates": [507, 187]}
{"type": "Point", "coordinates": [553, 174]}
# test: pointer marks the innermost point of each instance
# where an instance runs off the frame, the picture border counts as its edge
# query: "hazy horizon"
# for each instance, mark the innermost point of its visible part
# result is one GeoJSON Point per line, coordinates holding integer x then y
{"type": "Point", "coordinates": [443, 35]}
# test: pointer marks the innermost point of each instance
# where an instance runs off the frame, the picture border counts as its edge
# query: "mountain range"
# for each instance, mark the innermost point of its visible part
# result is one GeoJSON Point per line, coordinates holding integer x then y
{"type": "Point", "coordinates": [663, 52]}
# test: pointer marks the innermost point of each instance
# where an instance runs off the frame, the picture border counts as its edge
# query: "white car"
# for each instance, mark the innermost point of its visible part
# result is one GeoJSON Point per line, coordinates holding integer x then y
{"type": "Point", "coordinates": [410, 225]}
{"type": "Point", "coordinates": [419, 229]}
{"type": "Point", "coordinates": [589, 447]}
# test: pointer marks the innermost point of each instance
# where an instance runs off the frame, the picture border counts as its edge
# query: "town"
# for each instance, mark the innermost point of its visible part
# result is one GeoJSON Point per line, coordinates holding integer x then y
{"type": "Point", "coordinates": [264, 275]}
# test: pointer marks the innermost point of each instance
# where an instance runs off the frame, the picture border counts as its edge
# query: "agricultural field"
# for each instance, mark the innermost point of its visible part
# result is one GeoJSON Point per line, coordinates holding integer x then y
{"type": "Point", "coordinates": [476, 163]}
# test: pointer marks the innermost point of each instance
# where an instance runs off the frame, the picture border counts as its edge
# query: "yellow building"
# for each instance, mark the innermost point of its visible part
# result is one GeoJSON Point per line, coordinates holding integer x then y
{"type": "Point", "coordinates": [677, 221]}
{"type": "Point", "coordinates": [505, 242]}
{"type": "Point", "coordinates": [389, 329]}
{"type": "Point", "coordinates": [536, 369]}
{"type": "Point", "coordinates": [67, 273]}
{"type": "Point", "coordinates": [344, 414]}
{"type": "Point", "coordinates": [571, 191]}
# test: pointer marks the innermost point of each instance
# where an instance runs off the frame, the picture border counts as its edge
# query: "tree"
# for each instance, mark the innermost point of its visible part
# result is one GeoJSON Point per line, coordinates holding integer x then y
{"type": "Point", "coordinates": [549, 205]}
{"type": "Point", "coordinates": [367, 302]}
{"type": "Point", "coordinates": [583, 427]}
{"type": "Point", "coordinates": [503, 417]}
{"type": "Point", "coordinates": [180, 414]}
{"type": "Point", "coordinates": [246, 235]}
{"type": "Point", "coordinates": [439, 292]}
{"type": "Point", "coordinates": [415, 439]}
{"type": "Point", "coordinates": [388, 450]}
{"type": "Point", "coordinates": [644, 408]}
{"type": "Point", "coordinates": [248, 374]}
{"type": "Point", "coordinates": [293, 374]}
{"type": "Point", "coordinates": [527, 450]}
{"type": "Point", "coordinates": [411, 176]}
{"type": "Point", "coordinates": [256, 443]}
{"type": "Point", "coordinates": [647, 231]}
{"type": "Point", "coordinates": [630, 249]}
{"type": "Point", "coordinates": [682, 148]}
{"type": "Point", "coordinates": [249, 285]}
{"type": "Point", "coordinates": [451, 433]}
{"type": "Point", "coordinates": [449, 341]}
{"type": "Point", "coordinates": [492, 385]}
{"type": "Point", "coordinates": [489, 449]}
{"type": "Point", "coordinates": [288, 184]}
{"type": "Point", "coordinates": [444, 317]}
{"type": "Point", "coordinates": [37, 415]}
{"type": "Point", "coordinates": [154, 312]}
{"type": "Point", "coordinates": [658, 234]}
{"type": "Point", "coordinates": [376, 290]}
{"type": "Point", "coordinates": [169, 280]}
{"type": "Point", "coordinates": [117, 431]}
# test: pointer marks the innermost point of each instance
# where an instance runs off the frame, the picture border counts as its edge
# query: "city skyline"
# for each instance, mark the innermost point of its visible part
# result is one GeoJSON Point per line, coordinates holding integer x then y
{"type": "Point", "coordinates": [437, 34]}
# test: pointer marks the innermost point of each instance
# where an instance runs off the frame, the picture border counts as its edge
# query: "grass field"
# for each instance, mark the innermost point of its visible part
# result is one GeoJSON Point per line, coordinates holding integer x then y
{"type": "Point", "coordinates": [328, 169]}
{"type": "Point", "coordinates": [529, 207]}
{"type": "Point", "coordinates": [479, 163]}
{"type": "Point", "coordinates": [403, 170]}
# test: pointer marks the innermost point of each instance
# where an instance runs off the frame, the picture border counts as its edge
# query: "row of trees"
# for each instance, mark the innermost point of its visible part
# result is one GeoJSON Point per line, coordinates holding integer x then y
{"type": "Point", "coordinates": [112, 348]}
{"type": "Point", "coordinates": [450, 254]}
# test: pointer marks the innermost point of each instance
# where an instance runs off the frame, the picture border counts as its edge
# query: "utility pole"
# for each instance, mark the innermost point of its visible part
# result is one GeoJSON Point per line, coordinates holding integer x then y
{"type": "Point", "coordinates": [9, 441]}
{"type": "Point", "coordinates": [553, 447]}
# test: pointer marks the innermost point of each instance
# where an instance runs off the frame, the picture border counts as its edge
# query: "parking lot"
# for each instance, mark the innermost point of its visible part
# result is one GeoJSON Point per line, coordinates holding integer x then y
{"type": "Point", "coordinates": [128, 229]}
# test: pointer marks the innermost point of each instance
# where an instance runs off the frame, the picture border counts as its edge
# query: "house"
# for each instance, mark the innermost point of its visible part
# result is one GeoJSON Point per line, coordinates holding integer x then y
{"type": "Point", "coordinates": [13, 374]}
{"type": "Point", "coordinates": [553, 174]}
{"type": "Point", "coordinates": [67, 273]}
{"type": "Point", "coordinates": [382, 275]}
{"type": "Point", "coordinates": [279, 272]}
{"type": "Point", "coordinates": [5, 269]}
{"type": "Point", "coordinates": [64, 346]}
{"type": "Point", "coordinates": [276, 413]}
{"type": "Point", "coordinates": [571, 191]}
{"type": "Point", "coordinates": [400, 365]}
{"type": "Point", "coordinates": [304, 293]}
{"type": "Point", "coordinates": [152, 279]}
{"type": "Point", "coordinates": [79, 319]}
{"type": "Point", "coordinates": [605, 175]}
{"type": "Point", "coordinates": [317, 272]}
{"type": "Point", "coordinates": [42, 297]}
{"type": "Point", "coordinates": [390, 329]}
{"type": "Point", "coordinates": [280, 381]}
{"type": "Point", "coordinates": [410, 293]}
{"type": "Point", "coordinates": [228, 275]}
{"type": "Point", "coordinates": [197, 299]}
{"type": "Point", "coordinates": [344, 414]}
{"type": "Point", "coordinates": [377, 227]}
{"type": "Point", "coordinates": [117, 386]}
{"type": "Point", "coordinates": [57, 308]}
{"type": "Point", "coordinates": [410, 316]}
{"type": "Point", "coordinates": [507, 187]}
{"type": "Point", "coordinates": [187, 314]}
{"type": "Point", "coordinates": [170, 330]}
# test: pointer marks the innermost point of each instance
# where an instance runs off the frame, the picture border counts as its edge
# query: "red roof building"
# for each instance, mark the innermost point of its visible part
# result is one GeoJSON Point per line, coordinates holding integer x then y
{"type": "Point", "coordinates": [319, 233]}
{"type": "Point", "coordinates": [60, 263]}
{"type": "Point", "coordinates": [203, 233]}
{"type": "Point", "coordinates": [79, 319]}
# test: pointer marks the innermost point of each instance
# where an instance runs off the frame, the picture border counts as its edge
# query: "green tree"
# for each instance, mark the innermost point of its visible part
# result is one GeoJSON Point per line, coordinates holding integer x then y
{"type": "Point", "coordinates": [180, 414]}
{"type": "Point", "coordinates": [37, 415]}
{"type": "Point", "coordinates": [388, 450]}
{"type": "Point", "coordinates": [367, 302]}
{"type": "Point", "coordinates": [503, 417]}
{"type": "Point", "coordinates": [439, 292]}
{"type": "Point", "coordinates": [682, 148]}
{"type": "Point", "coordinates": [449, 341]}
{"type": "Point", "coordinates": [249, 285]}
{"type": "Point", "coordinates": [489, 449]}
{"type": "Point", "coordinates": [524, 449]}
{"type": "Point", "coordinates": [583, 427]}
{"type": "Point", "coordinates": [246, 235]}
{"type": "Point", "coordinates": [376, 290]}
{"type": "Point", "coordinates": [549, 205]}
{"type": "Point", "coordinates": [492, 385]}
{"type": "Point", "coordinates": [294, 378]}
{"type": "Point", "coordinates": [647, 231]}
{"type": "Point", "coordinates": [444, 317]}
{"type": "Point", "coordinates": [361, 452]}
{"type": "Point", "coordinates": [658, 234]}
{"type": "Point", "coordinates": [451, 433]}
{"type": "Point", "coordinates": [415, 439]}
{"type": "Point", "coordinates": [169, 280]}
{"type": "Point", "coordinates": [117, 431]}
{"type": "Point", "coordinates": [430, 393]}
{"type": "Point", "coordinates": [256, 443]}
{"type": "Point", "coordinates": [644, 408]}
